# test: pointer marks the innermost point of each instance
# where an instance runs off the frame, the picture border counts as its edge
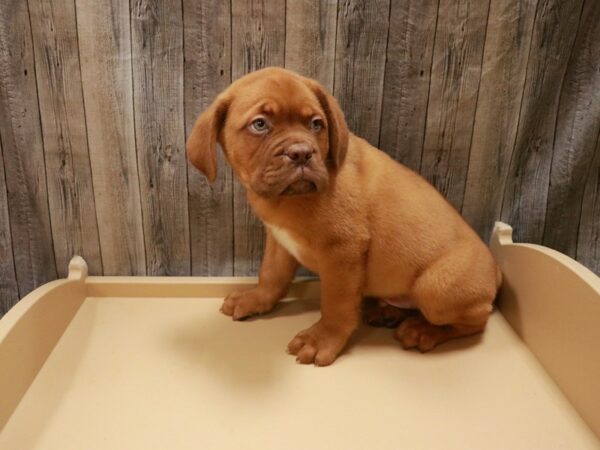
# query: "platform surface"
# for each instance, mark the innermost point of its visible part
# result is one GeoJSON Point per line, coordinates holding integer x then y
{"type": "Point", "coordinates": [168, 373]}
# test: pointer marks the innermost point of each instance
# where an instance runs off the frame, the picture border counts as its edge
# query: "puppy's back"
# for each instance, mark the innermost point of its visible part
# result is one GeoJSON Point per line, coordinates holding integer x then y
{"type": "Point", "coordinates": [411, 224]}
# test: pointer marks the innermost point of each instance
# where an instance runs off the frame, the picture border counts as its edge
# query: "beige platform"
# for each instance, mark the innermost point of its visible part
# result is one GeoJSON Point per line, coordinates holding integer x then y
{"type": "Point", "coordinates": [149, 363]}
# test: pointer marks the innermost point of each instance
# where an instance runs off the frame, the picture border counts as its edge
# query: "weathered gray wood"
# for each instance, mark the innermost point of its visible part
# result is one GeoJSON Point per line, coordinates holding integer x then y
{"type": "Point", "coordinates": [407, 76]}
{"type": "Point", "coordinates": [508, 39]}
{"type": "Point", "coordinates": [588, 240]}
{"type": "Point", "coordinates": [577, 126]}
{"type": "Point", "coordinates": [310, 39]}
{"type": "Point", "coordinates": [360, 52]}
{"type": "Point", "coordinates": [157, 52]}
{"type": "Point", "coordinates": [504, 120]}
{"type": "Point", "coordinates": [207, 45]}
{"type": "Point", "coordinates": [525, 194]}
{"type": "Point", "coordinates": [258, 39]}
{"type": "Point", "coordinates": [23, 153]}
{"type": "Point", "coordinates": [105, 52]}
{"type": "Point", "coordinates": [455, 74]}
{"type": "Point", "coordinates": [70, 191]}
{"type": "Point", "coordinates": [9, 292]}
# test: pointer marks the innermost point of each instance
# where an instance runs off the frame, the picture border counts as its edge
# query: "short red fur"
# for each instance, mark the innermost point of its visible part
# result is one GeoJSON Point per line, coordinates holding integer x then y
{"type": "Point", "coordinates": [370, 227]}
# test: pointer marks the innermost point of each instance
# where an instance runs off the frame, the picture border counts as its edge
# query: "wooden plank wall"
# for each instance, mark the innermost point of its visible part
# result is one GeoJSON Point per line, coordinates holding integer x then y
{"type": "Point", "coordinates": [104, 33]}
{"type": "Point", "coordinates": [497, 103]}
{"type": "Point", "coordinates": [453, 90]}
{"type": "Point", "coordinates": [70, 188]}
{"type": "Point", "coordinates": [23, 152]}
{"type": "Point", "coordinates": [207, 70]}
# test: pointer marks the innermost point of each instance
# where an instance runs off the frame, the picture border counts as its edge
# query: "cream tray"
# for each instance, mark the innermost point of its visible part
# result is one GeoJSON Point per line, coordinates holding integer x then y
{"type": "Point", "coordinates": [150, 363]}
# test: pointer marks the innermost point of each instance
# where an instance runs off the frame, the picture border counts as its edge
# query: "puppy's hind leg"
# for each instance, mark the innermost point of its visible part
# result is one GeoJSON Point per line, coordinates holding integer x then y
{"type": "Point", "coordinates": [417, 332]}
{"type": "Point", "coordinates": [454, 296]}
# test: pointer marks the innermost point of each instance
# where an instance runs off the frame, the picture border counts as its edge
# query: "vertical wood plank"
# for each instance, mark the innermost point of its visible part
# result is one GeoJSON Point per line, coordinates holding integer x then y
{"type": "Point", "coordinates": [362, 32]}
{"type": "Point", "coordinates": [577, 127]}
{"type": "Point", "coordinates": [105, 52]}
{"type": "Point", "coordinates": [207, 44]}
{"type": "Point", "coordinates": [258, 39]}
{"type": "Point", "coordinates": [70, 191]}
{"type": "Point", "coordinates": [526, 191]}
{"type": "Point", "coordinates": [23, 151]}
{"type": "Point", "coordinates": [505, 55]}
{"type": "Point", "coordinates": [9, 293]}
{"type": "Point", "coordinates": [455, 75]}
{"type": "Point", "coordinates": [407, 77]}
{"type": "Point", "coordinates": [310, 39]}
{"type": "Point", "coordinates": [588, 240]}
{"type": "Point", "coordinates": [157, 54]}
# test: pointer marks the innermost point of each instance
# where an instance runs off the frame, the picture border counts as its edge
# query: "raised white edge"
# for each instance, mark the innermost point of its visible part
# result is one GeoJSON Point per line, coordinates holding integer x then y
{"type": "Point", "coordinates": [502, 235]}
{"type": "Point", "coordinates": [78, 268]}
{"type": "Point", "coordinates": [553, 304]}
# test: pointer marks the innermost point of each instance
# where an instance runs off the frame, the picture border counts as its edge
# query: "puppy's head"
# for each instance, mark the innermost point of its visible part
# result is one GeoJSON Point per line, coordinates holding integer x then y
{"type": "Point", "coordinates": [283, 134]}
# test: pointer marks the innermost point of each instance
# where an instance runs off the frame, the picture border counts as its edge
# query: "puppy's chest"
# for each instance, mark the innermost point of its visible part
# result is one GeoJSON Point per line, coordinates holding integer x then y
{"type": "Point", "coordinates": [287, 241]}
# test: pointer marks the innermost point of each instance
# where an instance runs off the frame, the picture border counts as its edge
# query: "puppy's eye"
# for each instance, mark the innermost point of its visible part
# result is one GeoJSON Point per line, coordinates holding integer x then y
{"type": "Point", "coordinates": [316, 124]}
{"type": "Point", "coordinates": [259, 126]}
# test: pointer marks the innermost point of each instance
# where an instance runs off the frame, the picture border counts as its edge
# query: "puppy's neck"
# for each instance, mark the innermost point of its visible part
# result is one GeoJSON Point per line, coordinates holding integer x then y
{"type": "Point", "coordinates": [276, 209]}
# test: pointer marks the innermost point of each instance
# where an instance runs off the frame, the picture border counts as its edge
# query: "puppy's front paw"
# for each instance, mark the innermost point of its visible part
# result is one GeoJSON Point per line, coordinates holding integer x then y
{"type": "Point", "coordinates": [241, 305]}
{"type": "Point", "coordinates": [318, 344]}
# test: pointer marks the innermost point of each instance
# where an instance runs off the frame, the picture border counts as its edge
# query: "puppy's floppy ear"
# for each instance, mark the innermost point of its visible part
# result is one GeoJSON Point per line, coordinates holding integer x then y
{"type": "Point", "coordinates": [339, 134]}
{"type": "Point", "coordinates": [201, 146]}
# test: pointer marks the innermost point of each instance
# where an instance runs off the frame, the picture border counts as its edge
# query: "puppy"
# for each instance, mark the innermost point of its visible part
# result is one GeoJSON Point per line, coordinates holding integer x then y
{"type": "Point", "coordinates": [330, 201]}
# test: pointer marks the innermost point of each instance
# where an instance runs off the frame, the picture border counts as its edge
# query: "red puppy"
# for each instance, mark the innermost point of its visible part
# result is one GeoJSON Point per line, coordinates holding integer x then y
{"type": "Point", "coordinates": [330, 201]}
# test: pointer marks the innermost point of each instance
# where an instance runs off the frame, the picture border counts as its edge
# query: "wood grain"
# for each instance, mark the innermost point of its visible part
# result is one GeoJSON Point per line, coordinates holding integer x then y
{"type": "Point", "coordinates": [105, 52]}
{"type": "Point", "coordinates": [526, 191]}
{"type": "Point", "coordinates": [455, 74]}
{"type": "Point", "coordinates": [588, 240]}
{"type": "Point", "coordinates": [310, 39]}
{"type": "Point", "coordinates": [258, 37]}
{"type": "Point", "coordinates": [360, 52]}
{"type": "Point", "coordinates": [9, 291]}
{"type": "Point", "coordinates": [407, 77]}
{"type": "Point", "coordinates": [496, 102]}
{"type": "Point", "coordinates": [23, 152]}
{"type": "Point", "coordinates": [70, 190]}
{"type": "Point", "coordinates": [505, 56]}
{"type": "Point", "coordinates": [577, 126]}
{"type": "Point", "coordinates": [207, 46]}
{"type": "Point", "coordinates": [157, 54]}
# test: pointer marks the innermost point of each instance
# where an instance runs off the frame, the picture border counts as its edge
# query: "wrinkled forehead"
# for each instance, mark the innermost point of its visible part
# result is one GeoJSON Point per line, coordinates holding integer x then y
{"type": "Point", "coordinates": [281, 98]}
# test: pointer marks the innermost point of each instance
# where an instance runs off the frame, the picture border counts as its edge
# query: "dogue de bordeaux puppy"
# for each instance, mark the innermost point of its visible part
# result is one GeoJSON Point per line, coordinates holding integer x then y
{"type": "Point", "coordinates": [368, 226]}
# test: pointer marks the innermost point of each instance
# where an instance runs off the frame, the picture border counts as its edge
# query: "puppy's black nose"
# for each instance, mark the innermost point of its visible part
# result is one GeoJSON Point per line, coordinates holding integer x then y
{"type": "Point", "coordinates": [299, 153]}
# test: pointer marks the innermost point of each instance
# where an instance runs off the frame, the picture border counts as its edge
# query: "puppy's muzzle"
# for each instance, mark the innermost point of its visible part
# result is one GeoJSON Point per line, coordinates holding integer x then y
{"type": "Point", "coordinates": [300, 153]}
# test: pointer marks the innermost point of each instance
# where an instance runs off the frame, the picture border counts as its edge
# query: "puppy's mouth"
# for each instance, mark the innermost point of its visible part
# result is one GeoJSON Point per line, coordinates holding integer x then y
{"type": "Point", "coordinates": [300, 187]}
{"type": "Point", "coordinates": [301, 183]}
{"type": "Point", "coordinates": [283, 180]}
